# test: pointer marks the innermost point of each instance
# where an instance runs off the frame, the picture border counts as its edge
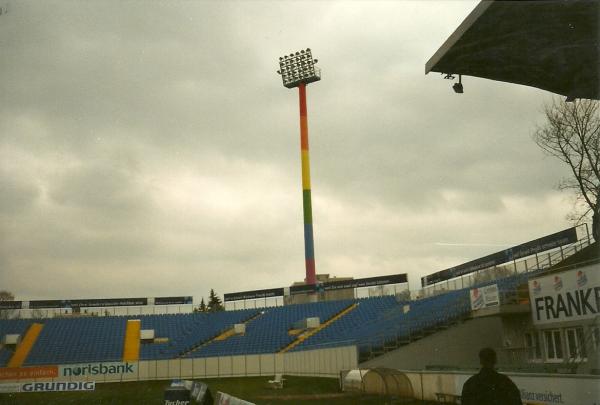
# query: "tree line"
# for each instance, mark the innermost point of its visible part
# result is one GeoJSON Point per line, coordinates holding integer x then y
{"type": "Point", "coordinates": [214, 303]}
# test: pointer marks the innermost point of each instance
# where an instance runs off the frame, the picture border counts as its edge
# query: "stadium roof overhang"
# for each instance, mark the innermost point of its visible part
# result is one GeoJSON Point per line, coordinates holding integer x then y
{"type": "Point", "coordinates": [549, 44]}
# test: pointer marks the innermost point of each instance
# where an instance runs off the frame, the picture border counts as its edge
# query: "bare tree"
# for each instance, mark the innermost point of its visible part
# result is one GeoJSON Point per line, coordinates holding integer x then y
{"type": "Point", "coordinates": [571, 134]}
{"type": "Point", "coordinates": [6, 296]}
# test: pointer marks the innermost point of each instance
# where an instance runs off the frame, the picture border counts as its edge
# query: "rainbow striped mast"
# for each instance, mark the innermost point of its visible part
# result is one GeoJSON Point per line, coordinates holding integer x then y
{"type": "Point", "coordinates": [297, 70]}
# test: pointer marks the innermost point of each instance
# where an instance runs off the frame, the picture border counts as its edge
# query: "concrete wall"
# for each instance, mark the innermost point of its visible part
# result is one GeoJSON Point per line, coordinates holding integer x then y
{"type": "Point", "coordinates": [321, 362]}
{"type": "Point", "coordinates": [535, 389]}
{"type": "Point", "coordinates": [514, 327]}
{"type": "Point", "coordinates": [458, 345]}
{"type": "Point", "coordinates": [334, 295]}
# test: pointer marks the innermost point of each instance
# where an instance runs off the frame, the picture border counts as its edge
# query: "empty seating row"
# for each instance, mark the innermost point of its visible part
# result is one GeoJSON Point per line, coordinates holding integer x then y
{"type": "Point", "coordinates": [79, 340]}
{"type": "Point", "coordinates": [269, 332]}
{"type": "Point", "coordinates": [10, 327]}
{"type": "Point", "coordinates": [374, 322]}
{"type": "Point", "coordinates": [185, 331]}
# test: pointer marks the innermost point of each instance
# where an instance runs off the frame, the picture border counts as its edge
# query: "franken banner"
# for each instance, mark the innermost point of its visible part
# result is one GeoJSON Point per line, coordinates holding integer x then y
{"type": "Point", "coordinates": [569, 296]}
{"type": "Point", "coordinates": [504, 256]}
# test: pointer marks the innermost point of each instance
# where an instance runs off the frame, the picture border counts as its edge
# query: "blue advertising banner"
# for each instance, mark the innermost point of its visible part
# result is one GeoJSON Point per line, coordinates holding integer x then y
{"type": "Point", "coordinates": [516, 252]}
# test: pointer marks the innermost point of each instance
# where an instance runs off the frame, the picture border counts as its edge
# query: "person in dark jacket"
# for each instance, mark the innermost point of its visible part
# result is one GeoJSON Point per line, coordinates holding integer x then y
{"type": "Point", "coordinates": [488, 387]}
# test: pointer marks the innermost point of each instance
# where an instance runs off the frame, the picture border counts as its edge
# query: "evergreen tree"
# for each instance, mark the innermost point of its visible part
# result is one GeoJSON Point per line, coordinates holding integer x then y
{"type": "Point", "coordinates": [214, 302]}
{"type": "Point", "coordinates": [202, 307]}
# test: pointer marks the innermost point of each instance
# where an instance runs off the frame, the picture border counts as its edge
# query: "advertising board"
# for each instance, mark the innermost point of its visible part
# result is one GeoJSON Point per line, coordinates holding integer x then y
{"type": "Point", "coordinates": [97, 369]}
{"type": "Point", "coordinates": [309, 288]}
{"type": "Point", "coordinates": [484, 297]}
{"type": "Point", "coordinates": [28, 373]}
{"type": "Point", "coordinates": [516, 252]}
{"type": "Point", "coordinates": [567, 296]}
{"type": "Point", "coordinates": [548, 390]}
{"type": "Point", "coordinates": [48, 386]}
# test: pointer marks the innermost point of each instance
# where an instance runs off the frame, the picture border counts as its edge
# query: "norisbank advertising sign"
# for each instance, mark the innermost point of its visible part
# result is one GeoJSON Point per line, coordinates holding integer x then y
{"type": "Point", "coordinates": [97, 369]}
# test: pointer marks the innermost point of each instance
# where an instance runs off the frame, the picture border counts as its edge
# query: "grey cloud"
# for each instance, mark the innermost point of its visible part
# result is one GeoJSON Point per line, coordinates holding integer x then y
{"type": "Point", "coordinates": [156, 139]}
{"type": "Point", "coordinates": [16, 195]}
{"type": "Point", "coordinates": [99, 188]}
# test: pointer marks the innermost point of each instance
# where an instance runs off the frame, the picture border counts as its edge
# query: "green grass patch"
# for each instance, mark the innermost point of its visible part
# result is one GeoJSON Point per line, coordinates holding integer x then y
{"type": "Point", "coordinates": [297, 390]}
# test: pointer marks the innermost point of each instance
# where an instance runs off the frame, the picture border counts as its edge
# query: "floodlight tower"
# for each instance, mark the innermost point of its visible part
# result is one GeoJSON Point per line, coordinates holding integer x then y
{"type": "Point", "coordinates": [297, 70]}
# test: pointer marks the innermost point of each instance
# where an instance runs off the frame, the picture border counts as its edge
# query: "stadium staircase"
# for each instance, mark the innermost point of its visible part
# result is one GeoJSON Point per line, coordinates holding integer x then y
{"type": "Point", "coordinates": [131, 345]}
{"type": "Point", "coordinates": [307, 334]}
{"type": "Point", "coordinates": [23, 348]}
{"type": "Point", "coordinates": [220, 337]}
{"type": "Point", "coordinates": [269, 333]}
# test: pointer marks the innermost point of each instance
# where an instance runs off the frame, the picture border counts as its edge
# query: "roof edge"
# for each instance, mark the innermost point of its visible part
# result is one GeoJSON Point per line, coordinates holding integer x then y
{"type": "Point", "coordinates": [457, 34]}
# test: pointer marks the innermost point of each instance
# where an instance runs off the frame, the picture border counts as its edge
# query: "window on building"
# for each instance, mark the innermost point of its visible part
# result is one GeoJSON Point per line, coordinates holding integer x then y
{"type": "Point", "coordinates": [534, 349]}
{"type": "Point", "coordinates": [553, 341]}
{"type": "Point", "coordinates": [595, 331]}
{"type": "Point", "coordinates": [576, 343]}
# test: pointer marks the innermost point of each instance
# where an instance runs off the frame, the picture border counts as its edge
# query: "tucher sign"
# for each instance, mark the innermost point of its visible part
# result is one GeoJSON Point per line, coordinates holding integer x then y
{"type": "Point", "coordinates": [568, 296]}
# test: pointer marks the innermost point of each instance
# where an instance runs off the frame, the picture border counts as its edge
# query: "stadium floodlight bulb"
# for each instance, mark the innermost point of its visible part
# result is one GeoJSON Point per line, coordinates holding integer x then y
{"type": "Point", "coordinates": [458, 87]}
{"type": "Point", "coordinates": [298, 67]}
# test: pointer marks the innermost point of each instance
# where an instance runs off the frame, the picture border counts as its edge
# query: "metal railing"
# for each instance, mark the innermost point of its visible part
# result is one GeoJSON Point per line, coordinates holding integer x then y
{"type": "Point", "coordinates": [531, 264]}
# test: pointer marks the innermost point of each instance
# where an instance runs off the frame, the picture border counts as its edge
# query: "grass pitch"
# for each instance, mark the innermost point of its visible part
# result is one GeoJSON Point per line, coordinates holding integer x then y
{"type": "Point", "coordinates": [297, 390]}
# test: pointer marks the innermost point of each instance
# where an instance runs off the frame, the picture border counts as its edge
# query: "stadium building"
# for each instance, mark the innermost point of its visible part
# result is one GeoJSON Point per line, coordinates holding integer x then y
{"type": "Point", "coordinates": [537, 303]}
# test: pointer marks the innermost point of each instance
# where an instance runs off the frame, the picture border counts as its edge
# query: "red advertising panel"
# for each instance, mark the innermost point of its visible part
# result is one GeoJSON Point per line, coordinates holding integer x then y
{"type": "Point", "coordinates": [29, 373]}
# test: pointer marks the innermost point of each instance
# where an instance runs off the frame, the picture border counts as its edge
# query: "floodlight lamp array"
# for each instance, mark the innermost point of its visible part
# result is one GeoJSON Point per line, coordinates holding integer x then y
{"type": "Point", "coordinates": [298, 67]}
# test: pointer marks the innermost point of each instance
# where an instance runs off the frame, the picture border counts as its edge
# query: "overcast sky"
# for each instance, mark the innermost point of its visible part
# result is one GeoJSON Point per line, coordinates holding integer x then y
{"type": "Point", "coordinates": [150, 149]}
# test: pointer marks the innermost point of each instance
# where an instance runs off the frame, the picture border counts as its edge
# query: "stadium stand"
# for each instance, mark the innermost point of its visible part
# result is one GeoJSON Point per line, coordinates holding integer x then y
{"type": "Point", "coordinates": [11, 327]}
{"type": "Point", "coordinates": [269, 332]}
{"type": "Point", "coordinates": [79, 340]}
{"type": "Point", "coordinates": [24, 347]}
{"type": "Point", "coordinates": [187, 332]}
{"type": "Point", "coordinates": [375, 325]}
{"type": "Point", "coordinates": [354, 325]}
{"type": "Point", "coordinates": [5, 356]}
{"type": "Point", "coordinates": [131, 349]}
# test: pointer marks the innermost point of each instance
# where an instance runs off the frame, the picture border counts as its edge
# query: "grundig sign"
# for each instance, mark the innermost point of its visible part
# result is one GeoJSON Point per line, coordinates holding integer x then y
{"type": "Point", "coordinates": [48, 386]}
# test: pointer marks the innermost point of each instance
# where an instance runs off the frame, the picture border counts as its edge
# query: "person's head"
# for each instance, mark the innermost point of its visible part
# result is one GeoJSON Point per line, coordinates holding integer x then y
{"type": "Point", "coordinates": [487, 357]}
